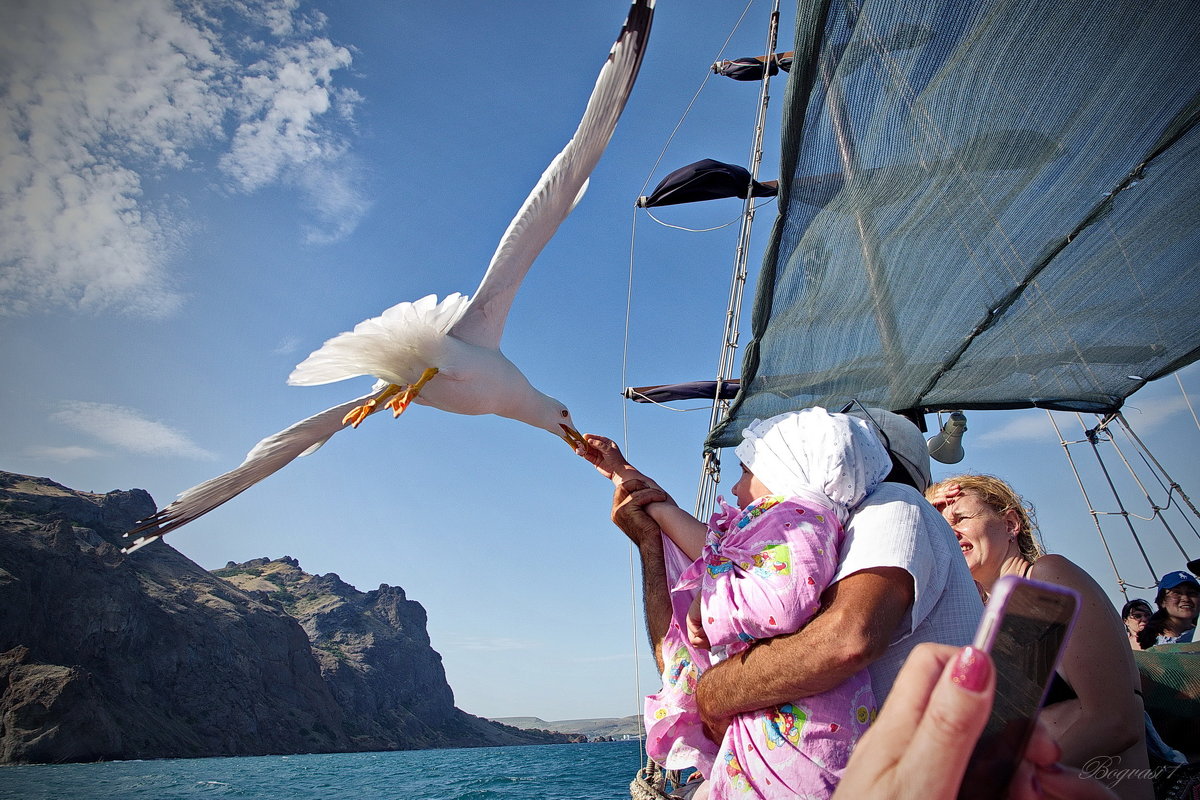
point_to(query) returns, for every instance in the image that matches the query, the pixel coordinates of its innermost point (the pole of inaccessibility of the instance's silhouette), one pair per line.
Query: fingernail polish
(971, 669)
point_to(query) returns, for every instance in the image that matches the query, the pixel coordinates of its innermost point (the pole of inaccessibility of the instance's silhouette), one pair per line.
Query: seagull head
(566, 429)
(551, 415)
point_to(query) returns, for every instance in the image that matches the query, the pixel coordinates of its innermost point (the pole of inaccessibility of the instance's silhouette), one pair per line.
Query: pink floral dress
(761, 575)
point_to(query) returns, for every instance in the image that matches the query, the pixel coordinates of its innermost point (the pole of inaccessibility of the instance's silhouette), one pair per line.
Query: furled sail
(753, 67)
(706, 180)
(692, 390)
(988, 204)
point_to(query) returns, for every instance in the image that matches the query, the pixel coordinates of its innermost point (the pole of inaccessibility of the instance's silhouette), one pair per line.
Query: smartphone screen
(1024, 627)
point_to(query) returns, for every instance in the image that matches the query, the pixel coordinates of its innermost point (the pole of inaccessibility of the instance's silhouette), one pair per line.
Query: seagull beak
(572, 437)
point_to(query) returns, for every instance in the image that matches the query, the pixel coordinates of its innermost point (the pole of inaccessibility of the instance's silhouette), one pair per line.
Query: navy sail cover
(706, 180)
(988, 204)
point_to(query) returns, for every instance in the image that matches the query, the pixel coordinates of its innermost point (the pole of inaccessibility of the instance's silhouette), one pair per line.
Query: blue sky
(191, 203)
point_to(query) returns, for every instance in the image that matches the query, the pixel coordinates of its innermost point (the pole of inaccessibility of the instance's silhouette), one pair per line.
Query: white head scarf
(833, 459)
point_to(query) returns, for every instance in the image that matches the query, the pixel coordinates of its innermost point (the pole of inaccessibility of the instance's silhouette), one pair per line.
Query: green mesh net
(986, 204)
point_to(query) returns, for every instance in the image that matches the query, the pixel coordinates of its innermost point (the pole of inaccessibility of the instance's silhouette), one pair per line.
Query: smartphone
(1025, 626)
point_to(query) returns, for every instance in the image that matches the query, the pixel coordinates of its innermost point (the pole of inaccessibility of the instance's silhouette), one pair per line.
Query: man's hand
(629, 510)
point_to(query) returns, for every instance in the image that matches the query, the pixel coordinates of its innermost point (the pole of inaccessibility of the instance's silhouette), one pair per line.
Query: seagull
(444, 354)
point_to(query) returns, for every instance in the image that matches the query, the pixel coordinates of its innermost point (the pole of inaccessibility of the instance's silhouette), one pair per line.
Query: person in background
(1178, 603)
(1135, 614)
(919, 746)
(1094, 707)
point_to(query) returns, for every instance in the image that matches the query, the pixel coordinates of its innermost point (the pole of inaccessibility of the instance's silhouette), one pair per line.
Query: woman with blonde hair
(1094, 708)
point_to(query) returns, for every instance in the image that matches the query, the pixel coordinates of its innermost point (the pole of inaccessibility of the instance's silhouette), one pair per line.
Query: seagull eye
(565, 413)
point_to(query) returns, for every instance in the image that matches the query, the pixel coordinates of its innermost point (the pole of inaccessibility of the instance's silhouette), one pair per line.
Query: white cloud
(1032, 426)
(287, 346)
(336, 201)
(129, 430)
(1145, 418)
(62, 454)
(279, 102)
(101, 98)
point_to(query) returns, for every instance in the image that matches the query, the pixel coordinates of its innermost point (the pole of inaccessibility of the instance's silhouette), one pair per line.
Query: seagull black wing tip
(154, 527)
(636, 27)
(641, 14)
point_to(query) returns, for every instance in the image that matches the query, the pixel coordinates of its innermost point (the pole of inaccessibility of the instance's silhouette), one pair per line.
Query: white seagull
(443, 354)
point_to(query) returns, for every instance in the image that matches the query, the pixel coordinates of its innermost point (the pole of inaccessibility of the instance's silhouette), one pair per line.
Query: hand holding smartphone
(1024, 627)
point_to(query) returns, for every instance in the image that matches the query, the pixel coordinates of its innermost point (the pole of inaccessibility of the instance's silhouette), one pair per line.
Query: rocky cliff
(107, 656)
(375, 656)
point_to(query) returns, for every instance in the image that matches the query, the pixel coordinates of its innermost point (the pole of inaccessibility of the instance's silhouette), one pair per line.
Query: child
(758, 571)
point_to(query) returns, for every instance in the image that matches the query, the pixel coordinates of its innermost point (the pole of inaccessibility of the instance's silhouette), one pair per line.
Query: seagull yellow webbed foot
(359, 413)
(400, 402)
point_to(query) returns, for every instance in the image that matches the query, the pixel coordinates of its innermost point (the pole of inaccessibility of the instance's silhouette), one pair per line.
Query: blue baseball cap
(1173, 579)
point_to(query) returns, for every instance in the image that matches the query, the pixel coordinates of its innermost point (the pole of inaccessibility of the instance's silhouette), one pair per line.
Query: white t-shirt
(896, 527)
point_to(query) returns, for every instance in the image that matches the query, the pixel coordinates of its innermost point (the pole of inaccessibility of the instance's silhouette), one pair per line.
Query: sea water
(598, 771)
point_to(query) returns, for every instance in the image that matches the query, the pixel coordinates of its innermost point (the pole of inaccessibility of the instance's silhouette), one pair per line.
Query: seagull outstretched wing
(560, 187)
(267, 457)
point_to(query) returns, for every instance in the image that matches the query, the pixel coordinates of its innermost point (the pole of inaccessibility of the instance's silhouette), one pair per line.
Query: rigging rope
(1091, 436)
(650, 781)
(1102, 433)
(647, 400)
(1178, 489)
(1156, 509)
(1187, 400)
(708, 74)
(1170, 490)
(1087, 499)
(634, 565)
(705, 230)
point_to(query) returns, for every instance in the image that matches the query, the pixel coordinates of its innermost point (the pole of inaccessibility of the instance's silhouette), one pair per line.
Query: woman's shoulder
(1096, 609)
(1052, 568)
(1052, 565)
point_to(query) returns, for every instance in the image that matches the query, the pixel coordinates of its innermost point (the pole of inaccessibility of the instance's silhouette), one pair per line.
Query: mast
(710, 474)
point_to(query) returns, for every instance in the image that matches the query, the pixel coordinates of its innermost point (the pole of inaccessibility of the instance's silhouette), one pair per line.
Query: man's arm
(629, 514)
(859, 614)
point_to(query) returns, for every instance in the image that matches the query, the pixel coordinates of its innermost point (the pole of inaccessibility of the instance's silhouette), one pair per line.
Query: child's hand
(605, 456)
(695, 626)
(597, 451)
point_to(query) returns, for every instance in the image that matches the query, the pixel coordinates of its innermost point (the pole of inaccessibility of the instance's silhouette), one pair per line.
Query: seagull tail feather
(370, 349)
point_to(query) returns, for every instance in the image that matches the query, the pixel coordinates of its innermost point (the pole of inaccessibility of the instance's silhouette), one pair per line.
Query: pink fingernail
(971, 669)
